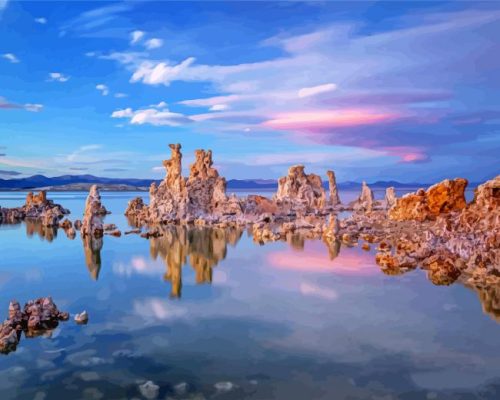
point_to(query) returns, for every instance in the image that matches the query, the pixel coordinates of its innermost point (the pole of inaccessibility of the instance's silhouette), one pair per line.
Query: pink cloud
(310, 120)
(408, 154)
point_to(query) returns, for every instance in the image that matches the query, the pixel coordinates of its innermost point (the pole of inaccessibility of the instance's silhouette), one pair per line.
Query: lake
(208, 314)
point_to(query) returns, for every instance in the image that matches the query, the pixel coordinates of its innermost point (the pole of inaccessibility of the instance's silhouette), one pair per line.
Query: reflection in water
(33, 226)
(489, 296)
(92, 249)
(203, 247)
(333, 248)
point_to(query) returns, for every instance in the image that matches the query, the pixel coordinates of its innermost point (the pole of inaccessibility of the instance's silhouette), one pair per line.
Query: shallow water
(210, 314)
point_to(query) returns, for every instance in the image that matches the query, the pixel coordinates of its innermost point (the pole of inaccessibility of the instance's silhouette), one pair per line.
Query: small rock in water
(149, 390)
(133, 231)
(109, 227)
(116, 233)
(82, 318)
(224, 386)
(181, 388)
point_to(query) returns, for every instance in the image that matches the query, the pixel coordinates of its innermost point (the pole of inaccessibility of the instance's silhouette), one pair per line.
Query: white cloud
(125, 113)
(5, 104)
(88, 22)
(219, 107)
(10, 57)
(161, 73)
(120, 95)
(3, 4)
(136, 36)
(58, 77)
(161, 104)
(153, 43)
(210, 101)
(41, 20)
(152, 116)
(315, 90)
(33, 107)
(103, 89)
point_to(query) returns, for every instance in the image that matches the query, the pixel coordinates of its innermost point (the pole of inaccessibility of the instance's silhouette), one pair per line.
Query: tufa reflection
(203, 248)
(92, 247)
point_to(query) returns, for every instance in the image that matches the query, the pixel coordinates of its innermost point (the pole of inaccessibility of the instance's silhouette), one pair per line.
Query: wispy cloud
(4, 172)
(5, 104)
(219, 107)
(92, 19)
(153, 43)
(315, 90)
(58, 77)
(74, 156)
(33, 107)
(328, 119)
(11, 58)
(136, 36)
(103, 89)
(41, 20)
(158, 115)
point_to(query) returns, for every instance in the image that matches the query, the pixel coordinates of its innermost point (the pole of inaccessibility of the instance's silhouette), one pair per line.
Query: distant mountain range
(83, 182)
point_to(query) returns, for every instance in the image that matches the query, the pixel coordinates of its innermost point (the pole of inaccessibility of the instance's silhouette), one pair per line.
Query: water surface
(210, 314)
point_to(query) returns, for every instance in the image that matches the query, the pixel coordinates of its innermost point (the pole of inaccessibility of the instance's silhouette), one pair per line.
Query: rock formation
(176, 199)
(301, 191)
(332, 185)
(473, 234)
(365, 201)
(37, 317)
(205, 188)
(390, 197)
(443, 197)
(432, 228)
(92, 218)
(36, 206)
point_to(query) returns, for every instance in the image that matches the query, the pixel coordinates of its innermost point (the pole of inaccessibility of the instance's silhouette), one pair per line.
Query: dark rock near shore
(36, 318)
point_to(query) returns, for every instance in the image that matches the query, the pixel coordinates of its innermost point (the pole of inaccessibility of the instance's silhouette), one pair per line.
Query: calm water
(210, 314)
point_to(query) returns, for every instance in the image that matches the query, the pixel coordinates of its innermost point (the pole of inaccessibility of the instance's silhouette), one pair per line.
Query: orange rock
(443, 197)
(263, 204)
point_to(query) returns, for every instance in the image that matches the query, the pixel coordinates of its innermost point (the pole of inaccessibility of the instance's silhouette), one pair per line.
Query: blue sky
(395, 90)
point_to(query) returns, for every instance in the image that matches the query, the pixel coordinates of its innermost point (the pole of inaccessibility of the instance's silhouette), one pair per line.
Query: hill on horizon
(73, 181)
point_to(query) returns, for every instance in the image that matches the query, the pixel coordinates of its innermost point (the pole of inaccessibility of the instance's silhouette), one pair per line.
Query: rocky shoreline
(435, 229)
